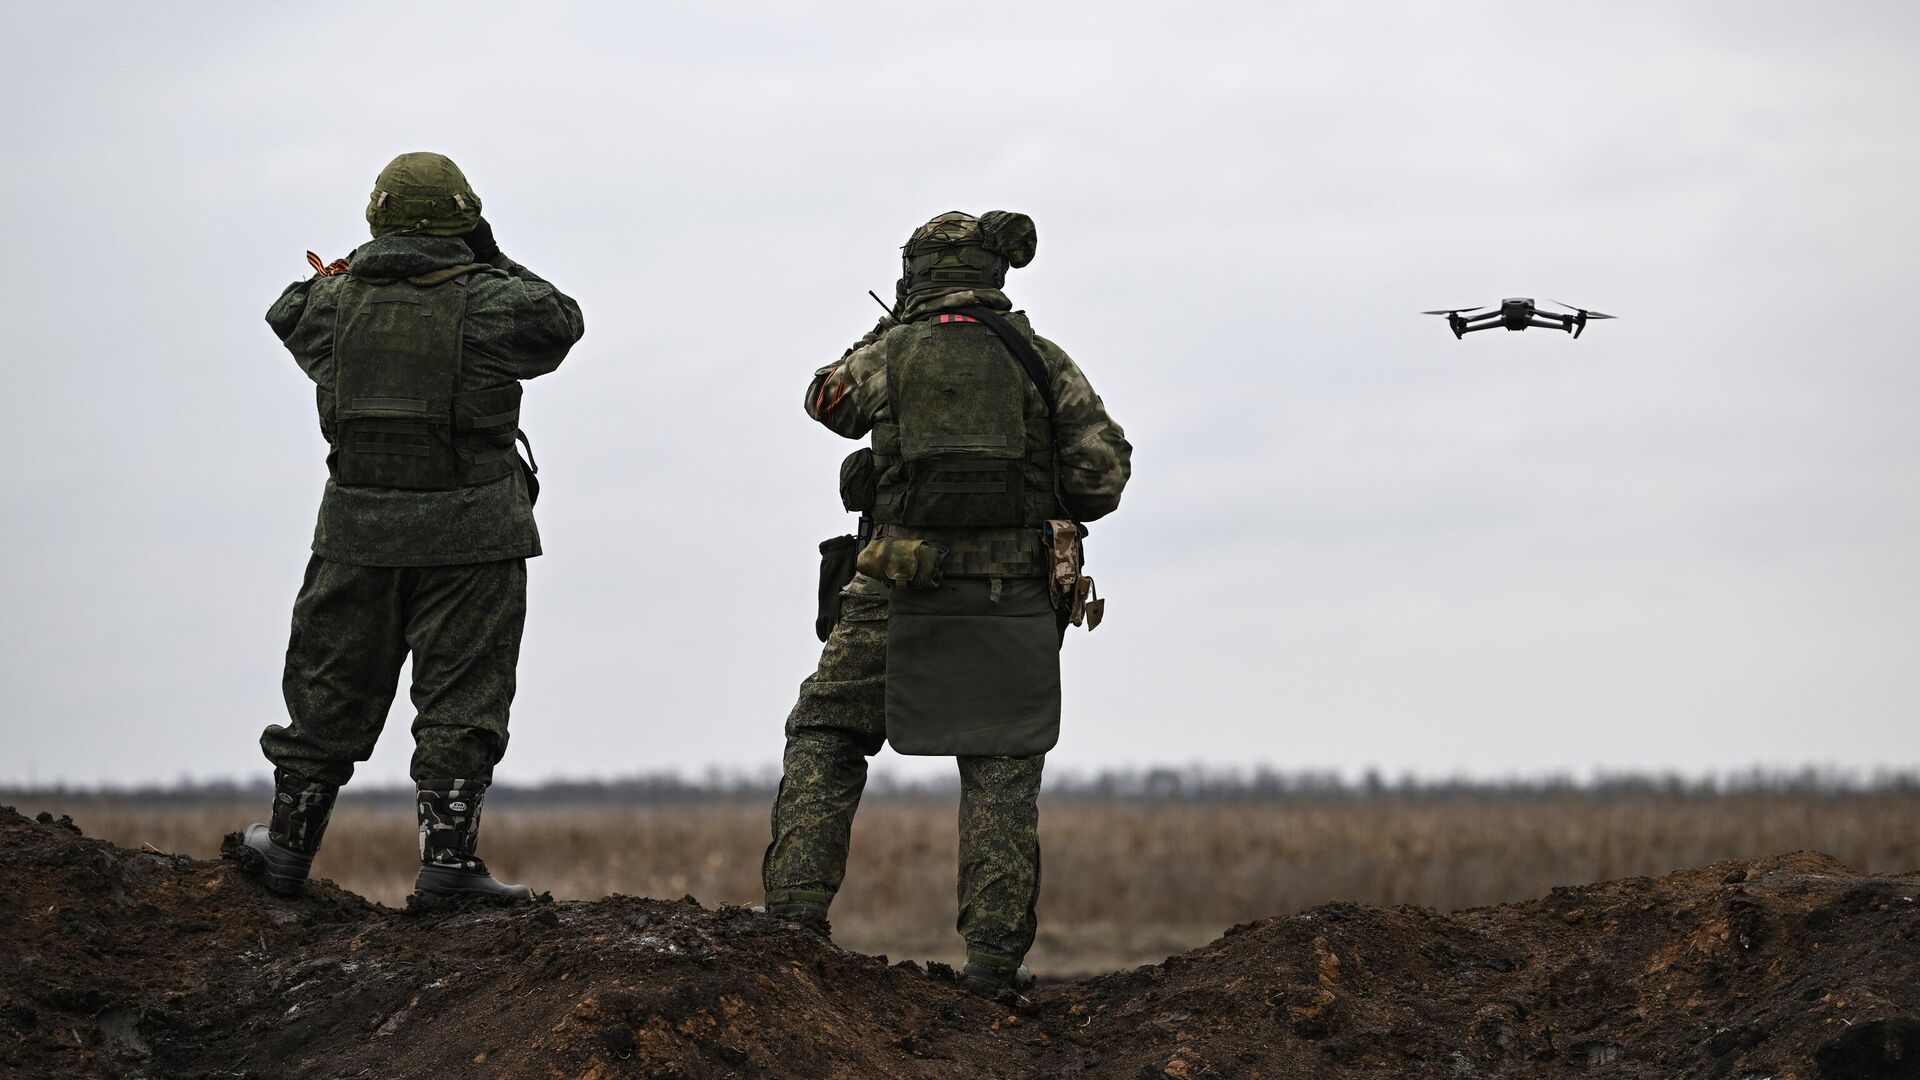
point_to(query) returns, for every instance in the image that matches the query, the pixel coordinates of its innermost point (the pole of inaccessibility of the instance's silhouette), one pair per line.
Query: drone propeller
(1452, 311)
(1584, 311)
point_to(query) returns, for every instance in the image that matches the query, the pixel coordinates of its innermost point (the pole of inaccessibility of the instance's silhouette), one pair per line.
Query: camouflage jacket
(1094, 458)
(517, 327)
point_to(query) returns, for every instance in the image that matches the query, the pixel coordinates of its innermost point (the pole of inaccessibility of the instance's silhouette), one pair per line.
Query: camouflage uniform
(417, 344)
(840, 720)
(438, 574)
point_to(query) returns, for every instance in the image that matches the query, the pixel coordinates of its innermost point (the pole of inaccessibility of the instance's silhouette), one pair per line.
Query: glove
(485, 248)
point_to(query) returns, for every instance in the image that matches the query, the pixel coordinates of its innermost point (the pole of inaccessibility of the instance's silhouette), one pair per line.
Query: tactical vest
(396, 416)
(960, 459)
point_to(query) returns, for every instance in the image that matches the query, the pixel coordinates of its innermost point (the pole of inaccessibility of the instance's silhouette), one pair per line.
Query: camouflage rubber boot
(286, 846)
(809, 914)
(449, 832)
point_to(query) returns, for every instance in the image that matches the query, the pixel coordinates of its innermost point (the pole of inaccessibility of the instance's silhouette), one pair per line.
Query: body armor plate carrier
(396, 416)
(973, 662)
(964, 439)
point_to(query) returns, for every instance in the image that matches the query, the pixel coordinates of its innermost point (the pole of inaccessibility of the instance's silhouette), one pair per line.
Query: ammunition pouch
(981, 553)
(859, 481)
(903, 560)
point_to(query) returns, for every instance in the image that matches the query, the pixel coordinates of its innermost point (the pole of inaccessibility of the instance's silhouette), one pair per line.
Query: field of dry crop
(1127, 881)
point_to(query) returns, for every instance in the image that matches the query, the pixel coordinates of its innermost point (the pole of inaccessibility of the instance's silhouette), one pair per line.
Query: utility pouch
(1071, 590)
(858, 481)
(903, 560)
(973, 669)
(1087, 605)
(837, 558)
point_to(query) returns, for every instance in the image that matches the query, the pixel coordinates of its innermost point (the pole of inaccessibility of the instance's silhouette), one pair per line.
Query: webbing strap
(498, 420)
(370, 442)
(961, 488)
(392, 404)
(968, 440)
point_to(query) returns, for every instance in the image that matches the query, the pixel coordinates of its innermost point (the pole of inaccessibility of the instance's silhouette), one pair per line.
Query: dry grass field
(1127, 880)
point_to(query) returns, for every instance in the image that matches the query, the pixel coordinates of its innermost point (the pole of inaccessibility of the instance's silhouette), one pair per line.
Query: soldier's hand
(482, 242)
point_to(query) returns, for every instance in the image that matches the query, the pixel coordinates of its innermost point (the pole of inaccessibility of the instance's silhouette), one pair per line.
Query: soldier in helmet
(418, 343)
(988, 450)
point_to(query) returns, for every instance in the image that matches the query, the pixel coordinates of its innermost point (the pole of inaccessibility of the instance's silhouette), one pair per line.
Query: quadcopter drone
(1517, 313)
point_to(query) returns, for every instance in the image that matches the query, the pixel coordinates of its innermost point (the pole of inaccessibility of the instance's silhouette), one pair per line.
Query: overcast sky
(1689, 540)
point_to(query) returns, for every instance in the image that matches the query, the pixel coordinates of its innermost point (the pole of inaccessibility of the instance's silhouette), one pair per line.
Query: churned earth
(144, 964)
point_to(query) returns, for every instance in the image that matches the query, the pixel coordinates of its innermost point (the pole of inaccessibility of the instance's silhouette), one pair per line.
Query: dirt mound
(125, 963)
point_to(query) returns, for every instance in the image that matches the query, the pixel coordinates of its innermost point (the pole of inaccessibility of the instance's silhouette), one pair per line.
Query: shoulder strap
(1020, 347)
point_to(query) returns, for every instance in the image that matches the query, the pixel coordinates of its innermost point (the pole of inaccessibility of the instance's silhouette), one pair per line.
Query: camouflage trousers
(353, 629)
(838, 723)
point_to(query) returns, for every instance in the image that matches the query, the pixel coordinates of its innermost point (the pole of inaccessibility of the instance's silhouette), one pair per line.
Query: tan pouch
(903, 560)
(1088, 607)
(1063, 562)
(1072, 591)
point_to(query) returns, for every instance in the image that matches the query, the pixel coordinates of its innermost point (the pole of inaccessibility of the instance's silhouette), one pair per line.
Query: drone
(1516, 313)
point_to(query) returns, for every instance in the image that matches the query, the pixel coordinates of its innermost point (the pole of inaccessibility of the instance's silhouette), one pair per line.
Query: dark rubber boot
(286, 847)
(449, 833)
(283, 869)
(989, 979)
(808, 914)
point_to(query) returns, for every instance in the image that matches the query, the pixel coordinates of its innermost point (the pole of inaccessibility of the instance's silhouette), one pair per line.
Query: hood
(406, 255)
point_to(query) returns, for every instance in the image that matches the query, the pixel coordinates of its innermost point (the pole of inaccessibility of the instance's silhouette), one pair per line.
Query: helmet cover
(958, 250)
(422, 193)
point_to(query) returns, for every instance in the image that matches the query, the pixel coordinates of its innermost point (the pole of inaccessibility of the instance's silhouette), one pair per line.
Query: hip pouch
(973, 669)
(836, 572)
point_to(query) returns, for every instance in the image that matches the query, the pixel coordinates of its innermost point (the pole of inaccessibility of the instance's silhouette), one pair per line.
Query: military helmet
(958, 250)
(423, 193)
